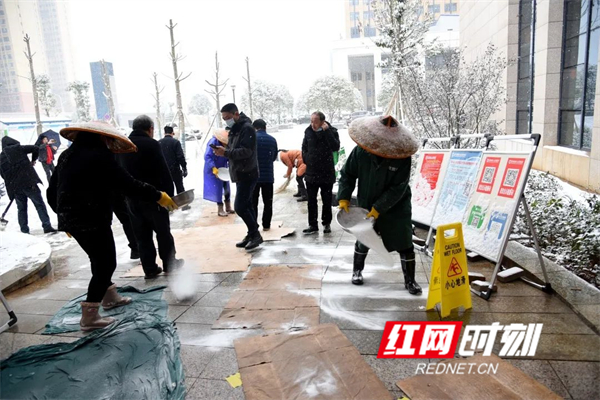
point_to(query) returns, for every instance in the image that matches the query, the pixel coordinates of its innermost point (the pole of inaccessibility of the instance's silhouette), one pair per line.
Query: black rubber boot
(408, 267)
(359, 265)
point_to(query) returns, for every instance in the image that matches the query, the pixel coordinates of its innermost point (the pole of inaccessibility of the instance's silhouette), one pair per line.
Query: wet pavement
(567, 360)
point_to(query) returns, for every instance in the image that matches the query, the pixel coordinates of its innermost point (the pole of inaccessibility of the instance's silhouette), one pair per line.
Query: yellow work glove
(373, 213)
(344, 204)
(167, 202)
(215, 171)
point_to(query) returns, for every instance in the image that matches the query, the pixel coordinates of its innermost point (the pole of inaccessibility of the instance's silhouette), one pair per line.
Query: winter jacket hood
(8, 141)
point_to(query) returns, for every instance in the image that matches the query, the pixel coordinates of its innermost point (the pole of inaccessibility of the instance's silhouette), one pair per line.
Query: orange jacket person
(293, 159)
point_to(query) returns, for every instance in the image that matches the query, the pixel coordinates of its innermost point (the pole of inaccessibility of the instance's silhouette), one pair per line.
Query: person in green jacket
(381, 164)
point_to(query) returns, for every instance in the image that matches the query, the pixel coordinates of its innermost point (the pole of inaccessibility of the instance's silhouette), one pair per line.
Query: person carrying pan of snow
(381, 164)
(81, 192)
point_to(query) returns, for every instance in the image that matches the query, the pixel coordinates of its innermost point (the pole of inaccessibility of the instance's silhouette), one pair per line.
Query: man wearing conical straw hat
(381, 164)
(81, 190)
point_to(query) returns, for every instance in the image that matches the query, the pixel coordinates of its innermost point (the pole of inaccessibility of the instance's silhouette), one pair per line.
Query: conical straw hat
(119, 143)
(383, 136)
(222, 135)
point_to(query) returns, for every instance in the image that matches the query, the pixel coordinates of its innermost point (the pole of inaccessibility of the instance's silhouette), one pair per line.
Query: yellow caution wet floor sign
(449, 283)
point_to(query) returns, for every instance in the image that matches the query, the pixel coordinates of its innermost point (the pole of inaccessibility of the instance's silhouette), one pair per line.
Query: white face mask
(230, 122)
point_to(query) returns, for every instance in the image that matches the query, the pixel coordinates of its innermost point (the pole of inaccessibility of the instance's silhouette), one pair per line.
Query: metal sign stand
(455, 144)
(546, 287)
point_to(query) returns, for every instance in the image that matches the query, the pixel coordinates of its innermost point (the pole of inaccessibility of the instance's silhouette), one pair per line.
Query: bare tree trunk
(38, 121)
(108, 94)
(216, 88)
(247, 79)
(157, 92)
(177, 76)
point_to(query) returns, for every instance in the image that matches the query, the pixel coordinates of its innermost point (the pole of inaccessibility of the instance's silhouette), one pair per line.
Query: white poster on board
(457, 187)
(494, 201)
(429, 175)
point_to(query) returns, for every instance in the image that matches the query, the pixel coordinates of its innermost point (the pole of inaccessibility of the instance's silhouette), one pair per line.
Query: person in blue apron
(381, 165)
(216, 190)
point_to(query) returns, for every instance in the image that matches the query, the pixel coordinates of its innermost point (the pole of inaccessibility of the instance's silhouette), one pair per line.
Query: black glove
(184, 172)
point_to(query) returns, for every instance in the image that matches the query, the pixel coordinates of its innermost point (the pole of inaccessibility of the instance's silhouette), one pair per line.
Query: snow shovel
(284, 185)
(11, 314)
(4, 222)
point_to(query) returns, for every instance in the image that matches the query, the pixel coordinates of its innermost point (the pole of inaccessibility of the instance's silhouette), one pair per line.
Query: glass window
(578, 79)
(433, 8)
(354, 32)
(450, 7)
(366, 15)
(353, 16)
(353, 2)
(370, 31)
(525, 66)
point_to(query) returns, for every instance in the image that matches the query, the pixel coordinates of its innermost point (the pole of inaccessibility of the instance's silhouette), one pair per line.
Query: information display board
(457, 187)
(429, 174)
(493, 203)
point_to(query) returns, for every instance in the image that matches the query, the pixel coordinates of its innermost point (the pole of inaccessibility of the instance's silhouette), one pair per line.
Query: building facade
(47, 24)
(102, 112)
(357, 57)
(551, 85)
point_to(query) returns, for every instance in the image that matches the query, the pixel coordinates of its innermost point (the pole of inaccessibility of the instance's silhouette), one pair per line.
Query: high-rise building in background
(102, 112)
(356, 56)
(47, 24)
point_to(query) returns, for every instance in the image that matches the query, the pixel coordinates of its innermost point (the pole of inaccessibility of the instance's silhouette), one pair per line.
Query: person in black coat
(174, 157)
(81, 192)
(320, 141)
(243, 169)
(21, 181)
(148, 165)
(46, 154)
(266, 151)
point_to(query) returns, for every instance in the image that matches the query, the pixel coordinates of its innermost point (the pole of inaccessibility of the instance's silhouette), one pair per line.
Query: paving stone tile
(223, 364)
(215, 298)
(174, 312)
(28, 323)
(195, 359)
(10, 342)
(210, 389)
(569, 347)
(541, 371)
(172, 299)
(580, 378)
(391, 370)
(542, 304)
(367, 342)
(203, 335)
(372, 320)
(200, 315)
(37, 307)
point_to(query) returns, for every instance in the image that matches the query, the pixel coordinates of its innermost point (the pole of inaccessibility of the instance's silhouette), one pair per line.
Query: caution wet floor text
(449, 283)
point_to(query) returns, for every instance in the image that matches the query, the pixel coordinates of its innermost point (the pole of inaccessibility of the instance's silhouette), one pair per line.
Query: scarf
(50, 155)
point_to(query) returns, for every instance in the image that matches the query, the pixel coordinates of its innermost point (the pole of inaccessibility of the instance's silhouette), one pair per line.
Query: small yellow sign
(234, 380)
(449, 283)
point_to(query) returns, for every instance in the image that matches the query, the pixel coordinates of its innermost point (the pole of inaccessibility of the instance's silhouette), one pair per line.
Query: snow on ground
(21, 251)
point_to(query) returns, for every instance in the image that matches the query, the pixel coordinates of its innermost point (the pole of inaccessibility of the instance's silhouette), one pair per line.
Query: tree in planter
(269, 100)
(402, 33)
(331, 95)
(45, 96)
(453, 96)
(82, 100)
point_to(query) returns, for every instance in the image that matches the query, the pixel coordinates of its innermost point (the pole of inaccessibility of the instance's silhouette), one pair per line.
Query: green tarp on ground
(135, 358)
(145, 302)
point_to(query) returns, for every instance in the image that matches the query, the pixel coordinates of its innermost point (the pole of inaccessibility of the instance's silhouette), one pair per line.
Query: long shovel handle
(7, 207)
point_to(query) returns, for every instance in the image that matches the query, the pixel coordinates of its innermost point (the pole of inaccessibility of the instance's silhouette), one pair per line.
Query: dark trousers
(362, 249)
(99, 245)
(122, 212)
(301, 187)
(243, 205)
(267, 196)
(326, 196)
(149, 218)
(226, 191)
(49, 170)
(32, 193)
(178, 180)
